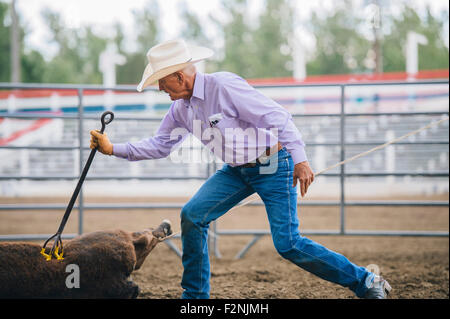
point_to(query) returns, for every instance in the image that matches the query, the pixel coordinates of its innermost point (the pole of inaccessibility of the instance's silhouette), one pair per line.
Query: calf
(104, 259)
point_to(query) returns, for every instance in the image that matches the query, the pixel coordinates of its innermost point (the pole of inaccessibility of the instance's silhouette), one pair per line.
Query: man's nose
(161, 87)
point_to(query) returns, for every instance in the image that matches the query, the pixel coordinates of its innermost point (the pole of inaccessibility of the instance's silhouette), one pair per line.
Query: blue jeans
(227, 187)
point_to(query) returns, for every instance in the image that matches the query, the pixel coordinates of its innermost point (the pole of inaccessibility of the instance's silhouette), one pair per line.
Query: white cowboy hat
(169, 57)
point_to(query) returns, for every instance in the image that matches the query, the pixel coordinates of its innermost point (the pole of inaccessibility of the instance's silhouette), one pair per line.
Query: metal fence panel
(341, 118)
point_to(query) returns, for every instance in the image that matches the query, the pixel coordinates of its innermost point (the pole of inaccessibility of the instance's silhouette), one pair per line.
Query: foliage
(251, 44)
(78, 50)
(434, 55)
(340, 48)
(257, 51)
(5, 58)
(148, 34)
(271, 41)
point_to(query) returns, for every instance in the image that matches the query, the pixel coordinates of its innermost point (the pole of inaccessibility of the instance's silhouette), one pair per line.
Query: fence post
(342, 172)
(80, 145)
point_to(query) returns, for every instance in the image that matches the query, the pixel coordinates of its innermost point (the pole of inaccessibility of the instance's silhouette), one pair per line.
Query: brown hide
(105, 260)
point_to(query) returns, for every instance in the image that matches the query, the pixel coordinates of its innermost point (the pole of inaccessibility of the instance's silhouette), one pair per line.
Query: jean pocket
(283, 154)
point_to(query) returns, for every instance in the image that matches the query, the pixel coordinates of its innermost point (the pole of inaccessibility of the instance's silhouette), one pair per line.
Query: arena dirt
(416, 267)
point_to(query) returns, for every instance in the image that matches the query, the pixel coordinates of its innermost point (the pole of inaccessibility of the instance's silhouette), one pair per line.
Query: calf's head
(146, 240)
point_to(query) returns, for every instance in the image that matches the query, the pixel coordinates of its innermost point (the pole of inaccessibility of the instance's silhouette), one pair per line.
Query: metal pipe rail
(377, 83)
(132, 88)
(40, 115)
(43, 237)
(68, 148)
(257, 234)
(99, 178)
(121, 206)
(58, 86)
(144, 178)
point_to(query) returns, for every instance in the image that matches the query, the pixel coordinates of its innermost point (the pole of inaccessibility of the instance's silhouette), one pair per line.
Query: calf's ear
(143, 245)
(140, 240)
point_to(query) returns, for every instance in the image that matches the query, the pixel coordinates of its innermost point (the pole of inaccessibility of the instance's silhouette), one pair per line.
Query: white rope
(210, 233)
(255, 196)
(170, 236)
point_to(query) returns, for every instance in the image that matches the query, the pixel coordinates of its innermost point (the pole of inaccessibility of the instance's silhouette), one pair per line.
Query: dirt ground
(416, 267)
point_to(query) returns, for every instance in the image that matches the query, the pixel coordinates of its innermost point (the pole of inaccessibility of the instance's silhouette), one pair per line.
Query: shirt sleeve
(240, 100)
(168, 135)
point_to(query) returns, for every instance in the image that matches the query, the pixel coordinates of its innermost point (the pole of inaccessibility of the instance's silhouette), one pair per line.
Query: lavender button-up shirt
(231, 118)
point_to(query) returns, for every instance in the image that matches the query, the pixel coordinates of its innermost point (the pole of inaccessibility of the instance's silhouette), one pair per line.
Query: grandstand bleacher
(315, 129)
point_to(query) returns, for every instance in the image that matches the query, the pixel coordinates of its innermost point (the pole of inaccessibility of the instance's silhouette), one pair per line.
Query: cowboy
(269, 160)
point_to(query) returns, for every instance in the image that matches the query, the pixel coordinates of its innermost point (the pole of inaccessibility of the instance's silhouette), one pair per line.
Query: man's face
(174, 85)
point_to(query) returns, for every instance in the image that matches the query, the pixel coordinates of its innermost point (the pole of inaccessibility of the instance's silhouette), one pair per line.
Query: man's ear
(180, 76)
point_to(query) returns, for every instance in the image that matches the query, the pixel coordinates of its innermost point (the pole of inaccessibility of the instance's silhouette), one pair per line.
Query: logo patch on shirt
(214, 119)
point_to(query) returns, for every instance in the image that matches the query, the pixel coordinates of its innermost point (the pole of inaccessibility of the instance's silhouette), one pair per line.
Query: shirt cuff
(120, 150)
(298, 155)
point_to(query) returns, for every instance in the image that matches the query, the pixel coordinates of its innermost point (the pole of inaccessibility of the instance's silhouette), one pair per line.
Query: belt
(263, 158)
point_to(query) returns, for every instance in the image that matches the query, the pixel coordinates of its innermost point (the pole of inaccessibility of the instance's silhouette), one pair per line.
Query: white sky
(103, 13)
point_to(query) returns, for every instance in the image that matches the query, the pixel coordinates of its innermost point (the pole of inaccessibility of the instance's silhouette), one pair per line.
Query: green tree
(192, 29)
(434, 55)
(33, 67)
(343, 47)
(193, 32)
(261, 49)
(32, 62)
(91, 46)
(271, 41)
(238, 39)
(5, 59)
(340, 48)
(147, 26)
(78, 53)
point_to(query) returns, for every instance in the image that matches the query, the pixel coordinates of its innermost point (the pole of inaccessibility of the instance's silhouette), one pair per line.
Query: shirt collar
(198, 90)
(199, 86)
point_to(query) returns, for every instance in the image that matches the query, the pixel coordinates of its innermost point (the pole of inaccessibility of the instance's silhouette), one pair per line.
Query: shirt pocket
(226, 125)
(215, 119)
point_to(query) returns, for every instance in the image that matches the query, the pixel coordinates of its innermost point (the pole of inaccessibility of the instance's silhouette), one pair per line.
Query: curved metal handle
(105, 121)
(57, 248)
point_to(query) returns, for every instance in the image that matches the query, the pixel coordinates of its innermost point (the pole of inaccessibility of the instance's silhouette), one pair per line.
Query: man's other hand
(303, 172)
